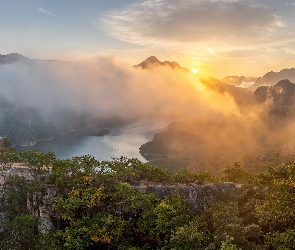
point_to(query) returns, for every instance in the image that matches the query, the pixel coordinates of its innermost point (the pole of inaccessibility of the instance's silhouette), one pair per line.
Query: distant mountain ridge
(13, 58)
(239, 81)
(240, 95)
(272, 78)
(280, 98)
(153, 61)
(200, 143)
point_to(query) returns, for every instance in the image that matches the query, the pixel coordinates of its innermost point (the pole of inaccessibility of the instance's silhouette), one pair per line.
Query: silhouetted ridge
(13, 58)
(271, 78)
(238, 80)
(280, 97)
(154, 61)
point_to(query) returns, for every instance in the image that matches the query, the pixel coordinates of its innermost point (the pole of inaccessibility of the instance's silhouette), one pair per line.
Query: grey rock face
(37, 204)
(196, 196)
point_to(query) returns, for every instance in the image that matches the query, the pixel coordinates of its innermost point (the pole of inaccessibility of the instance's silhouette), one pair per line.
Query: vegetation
(99, 205)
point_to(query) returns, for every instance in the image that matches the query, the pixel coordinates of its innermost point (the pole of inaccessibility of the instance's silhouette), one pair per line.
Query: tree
(21, 228)
(281, 241)
(159, 223)
(276, 211)
(227, 244)
(38, 162)
(190, 236)
(8, 155)
(223, 219)
(235, 173)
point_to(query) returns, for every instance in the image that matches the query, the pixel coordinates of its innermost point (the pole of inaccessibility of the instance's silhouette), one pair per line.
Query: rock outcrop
(196, 196)
(280, 98)
(37, 204)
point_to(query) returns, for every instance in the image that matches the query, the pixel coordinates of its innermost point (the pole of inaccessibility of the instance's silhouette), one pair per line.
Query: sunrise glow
(195, 71)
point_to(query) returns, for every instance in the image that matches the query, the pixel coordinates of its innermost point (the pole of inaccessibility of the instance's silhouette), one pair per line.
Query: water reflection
(124, 141)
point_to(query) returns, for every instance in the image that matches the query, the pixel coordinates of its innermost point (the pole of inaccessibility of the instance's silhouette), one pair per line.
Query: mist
(106, 90)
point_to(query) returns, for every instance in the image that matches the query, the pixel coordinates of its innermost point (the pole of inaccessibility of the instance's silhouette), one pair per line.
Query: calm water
(124, 141)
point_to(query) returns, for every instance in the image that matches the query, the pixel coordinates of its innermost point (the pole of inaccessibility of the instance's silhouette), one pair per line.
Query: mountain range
(25, 125)
(241, 95)
(266, 126)
(272, 78)
(269, 79)
(240, 81)
(251, 82)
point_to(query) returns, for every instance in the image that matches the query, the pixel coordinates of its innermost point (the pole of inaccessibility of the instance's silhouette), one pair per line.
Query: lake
(124, 141)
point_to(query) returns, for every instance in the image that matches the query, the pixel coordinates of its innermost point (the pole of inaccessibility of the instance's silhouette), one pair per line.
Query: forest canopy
(99, 205)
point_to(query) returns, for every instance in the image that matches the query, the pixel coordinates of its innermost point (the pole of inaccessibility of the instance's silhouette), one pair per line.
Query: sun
(195, 71)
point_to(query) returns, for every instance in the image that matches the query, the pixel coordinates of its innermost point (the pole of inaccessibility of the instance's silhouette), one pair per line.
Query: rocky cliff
(280, 98)
(37, 203)
(196, 196)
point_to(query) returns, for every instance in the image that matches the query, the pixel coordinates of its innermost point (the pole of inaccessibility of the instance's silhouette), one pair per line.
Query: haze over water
(124, 141)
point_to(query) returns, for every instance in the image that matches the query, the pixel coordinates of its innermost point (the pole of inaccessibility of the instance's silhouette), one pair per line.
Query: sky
(218, 37)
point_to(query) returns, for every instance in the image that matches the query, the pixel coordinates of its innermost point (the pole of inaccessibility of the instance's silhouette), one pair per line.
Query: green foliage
(7, 155)
(21, 227)
(185, 176)
(205, 176)
(80, 200)
(161, 221)
(227, 244)
(25, 225)
(224, 218)
(129, 199)
(127, 169)
(7, 143)
(189, 237)
(235, 173)
(281, 241)
(100, 205)
(276, 211)
(259, 164)
(21, 233)
(97, 208)
(38, 162)
(14, 197)
(35, 185)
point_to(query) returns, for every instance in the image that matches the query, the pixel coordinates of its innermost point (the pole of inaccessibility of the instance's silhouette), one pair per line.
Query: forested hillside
(106, 205)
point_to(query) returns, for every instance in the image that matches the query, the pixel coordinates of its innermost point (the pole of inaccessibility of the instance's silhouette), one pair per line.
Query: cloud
(186, 23)
(107, 89)
(45, 12)
(103, 89)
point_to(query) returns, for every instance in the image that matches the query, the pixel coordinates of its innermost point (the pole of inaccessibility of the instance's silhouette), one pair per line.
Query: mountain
(241, 96)
(240, 81)
(199, 143)
(25, 122)
(271, 78)
(13, 58)
(280, 98)
(154, 62)
(22, 125)
(205, 143)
